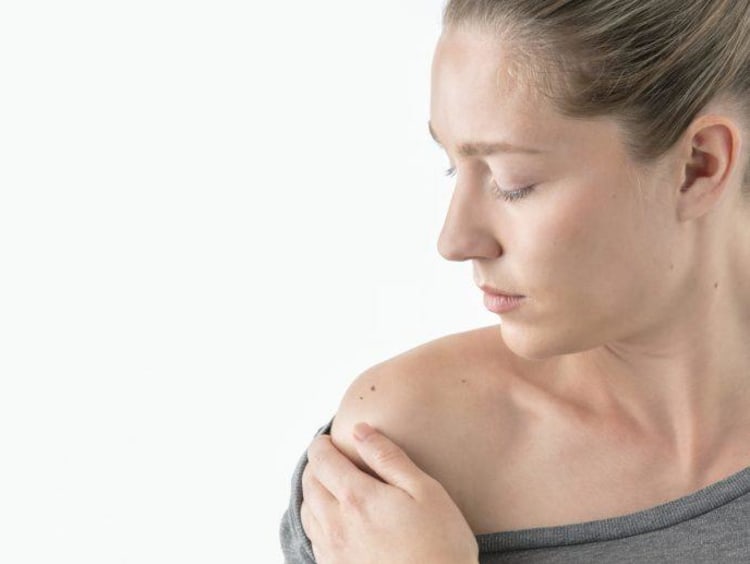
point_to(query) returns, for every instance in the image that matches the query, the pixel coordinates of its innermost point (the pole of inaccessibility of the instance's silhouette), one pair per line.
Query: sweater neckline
(660, 516)
(664, 515)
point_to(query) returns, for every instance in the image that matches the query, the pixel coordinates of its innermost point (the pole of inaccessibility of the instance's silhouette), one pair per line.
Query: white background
(213, 217)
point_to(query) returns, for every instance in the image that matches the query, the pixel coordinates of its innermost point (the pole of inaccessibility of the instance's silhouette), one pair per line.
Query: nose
(466, 233)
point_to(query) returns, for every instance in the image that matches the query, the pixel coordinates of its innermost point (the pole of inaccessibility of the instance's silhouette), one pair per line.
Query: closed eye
(513, 195)
(507, 195)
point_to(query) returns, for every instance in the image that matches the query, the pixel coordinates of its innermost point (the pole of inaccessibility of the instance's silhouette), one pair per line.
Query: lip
(495, 292)
(499, 303)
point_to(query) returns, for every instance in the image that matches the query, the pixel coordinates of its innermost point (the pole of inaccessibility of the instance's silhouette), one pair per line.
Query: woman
(601, 169)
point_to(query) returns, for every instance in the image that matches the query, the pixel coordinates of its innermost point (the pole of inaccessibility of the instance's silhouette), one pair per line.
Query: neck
(686, 380)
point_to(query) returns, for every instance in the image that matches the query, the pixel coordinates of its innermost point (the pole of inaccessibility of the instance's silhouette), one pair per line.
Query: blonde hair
(651, 64)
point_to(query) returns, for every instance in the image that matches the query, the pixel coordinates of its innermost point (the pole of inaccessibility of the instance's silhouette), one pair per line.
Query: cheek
(579, 247)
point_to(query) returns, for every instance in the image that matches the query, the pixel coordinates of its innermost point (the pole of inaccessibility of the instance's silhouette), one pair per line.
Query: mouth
(497, 292)
(499, 303)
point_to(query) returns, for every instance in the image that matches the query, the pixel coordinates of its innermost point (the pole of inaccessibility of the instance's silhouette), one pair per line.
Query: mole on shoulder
(372, 388)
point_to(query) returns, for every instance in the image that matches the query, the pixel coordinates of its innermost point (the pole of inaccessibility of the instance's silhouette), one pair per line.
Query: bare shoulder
(442, 402)
(483, 423)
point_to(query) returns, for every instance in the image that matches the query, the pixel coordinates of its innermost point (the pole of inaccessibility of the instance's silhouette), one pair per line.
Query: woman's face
(593, 260)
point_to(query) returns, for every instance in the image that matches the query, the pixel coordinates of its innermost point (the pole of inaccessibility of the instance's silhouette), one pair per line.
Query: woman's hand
(352, 517)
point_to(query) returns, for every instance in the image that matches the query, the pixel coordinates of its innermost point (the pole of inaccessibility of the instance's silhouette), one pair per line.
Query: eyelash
(507, 196)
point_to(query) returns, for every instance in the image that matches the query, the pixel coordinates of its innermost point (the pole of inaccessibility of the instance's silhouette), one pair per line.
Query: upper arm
(449, 405)
(395, 398)
(358, 404)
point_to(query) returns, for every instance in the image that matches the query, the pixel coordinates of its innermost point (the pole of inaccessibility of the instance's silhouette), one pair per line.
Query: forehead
(481, 90)
(481, 57)
(476, 82)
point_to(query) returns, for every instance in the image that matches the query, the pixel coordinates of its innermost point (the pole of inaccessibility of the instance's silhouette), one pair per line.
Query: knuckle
(386, 455)
(336, 537)
(352, 500)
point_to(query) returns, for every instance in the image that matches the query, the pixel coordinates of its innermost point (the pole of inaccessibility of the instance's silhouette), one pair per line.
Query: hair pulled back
(651, 64)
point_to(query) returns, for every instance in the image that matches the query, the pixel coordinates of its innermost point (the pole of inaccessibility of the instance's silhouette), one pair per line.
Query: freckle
(372, 388)
(463, 380)
(360, 397)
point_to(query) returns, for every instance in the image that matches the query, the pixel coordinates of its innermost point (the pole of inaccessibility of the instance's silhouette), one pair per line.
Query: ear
(708, 162)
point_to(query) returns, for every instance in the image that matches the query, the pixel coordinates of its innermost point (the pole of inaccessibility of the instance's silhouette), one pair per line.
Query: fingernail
(362, 431)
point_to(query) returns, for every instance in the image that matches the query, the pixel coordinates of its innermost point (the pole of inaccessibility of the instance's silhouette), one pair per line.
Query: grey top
(709, 525)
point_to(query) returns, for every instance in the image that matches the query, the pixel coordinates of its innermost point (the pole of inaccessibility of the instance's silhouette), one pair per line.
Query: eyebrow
(486, 149)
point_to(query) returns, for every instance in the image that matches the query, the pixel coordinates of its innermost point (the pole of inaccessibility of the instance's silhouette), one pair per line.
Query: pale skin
(637, 313)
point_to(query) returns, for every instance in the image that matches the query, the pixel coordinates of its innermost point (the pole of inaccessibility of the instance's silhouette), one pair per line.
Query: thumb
(386, 458)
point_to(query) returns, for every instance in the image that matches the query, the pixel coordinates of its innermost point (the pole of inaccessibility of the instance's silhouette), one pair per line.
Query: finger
(321, 503)
(317, 557)
(319, 512)
(335, 472)
(310, 523)
(312, 529)
(388, 459)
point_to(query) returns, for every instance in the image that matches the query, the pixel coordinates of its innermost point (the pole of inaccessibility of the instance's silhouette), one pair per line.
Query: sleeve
(295, 545)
